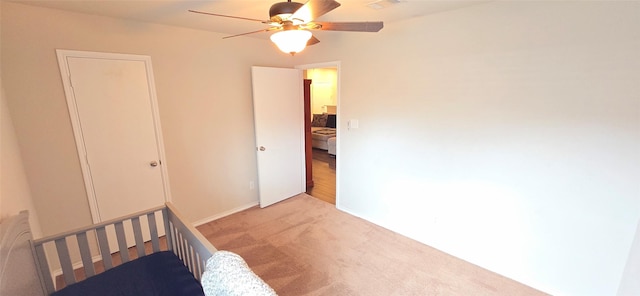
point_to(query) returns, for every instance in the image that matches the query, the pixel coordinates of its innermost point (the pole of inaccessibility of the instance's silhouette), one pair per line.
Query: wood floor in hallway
(324, 177)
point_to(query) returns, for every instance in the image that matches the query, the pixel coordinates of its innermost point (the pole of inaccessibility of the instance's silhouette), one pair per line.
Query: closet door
(112, 104)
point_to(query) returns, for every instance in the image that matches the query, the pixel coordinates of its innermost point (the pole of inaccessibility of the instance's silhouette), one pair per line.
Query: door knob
(262, 148)
(153, 163)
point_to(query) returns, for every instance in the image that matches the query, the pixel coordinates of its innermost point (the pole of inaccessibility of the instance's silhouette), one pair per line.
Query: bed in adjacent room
(323, 128)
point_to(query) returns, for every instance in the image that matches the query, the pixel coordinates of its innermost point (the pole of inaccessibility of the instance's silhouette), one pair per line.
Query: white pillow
(227, 274)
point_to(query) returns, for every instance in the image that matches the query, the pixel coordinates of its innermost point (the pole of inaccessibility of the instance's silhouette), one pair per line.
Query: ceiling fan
(293, 21)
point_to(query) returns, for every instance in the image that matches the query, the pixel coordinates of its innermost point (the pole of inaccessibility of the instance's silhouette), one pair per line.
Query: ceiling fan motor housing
(283, 8)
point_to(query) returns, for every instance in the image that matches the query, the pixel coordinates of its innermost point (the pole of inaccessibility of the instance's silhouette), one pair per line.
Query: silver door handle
(262, 148)
(153, 163)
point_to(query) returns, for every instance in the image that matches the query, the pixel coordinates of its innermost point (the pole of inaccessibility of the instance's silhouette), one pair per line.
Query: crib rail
(188, 243)
(181, 238)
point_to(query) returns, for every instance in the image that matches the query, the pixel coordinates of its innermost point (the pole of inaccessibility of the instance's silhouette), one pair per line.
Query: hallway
(324, 177)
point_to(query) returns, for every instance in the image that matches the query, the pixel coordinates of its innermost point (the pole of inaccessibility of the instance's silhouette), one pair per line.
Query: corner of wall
(629, 285)
(15, 194)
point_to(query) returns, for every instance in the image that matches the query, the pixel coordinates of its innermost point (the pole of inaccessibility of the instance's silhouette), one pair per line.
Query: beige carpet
(304, 246)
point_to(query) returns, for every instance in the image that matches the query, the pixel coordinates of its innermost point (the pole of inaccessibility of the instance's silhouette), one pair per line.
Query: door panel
(111, 99)
(278, 115)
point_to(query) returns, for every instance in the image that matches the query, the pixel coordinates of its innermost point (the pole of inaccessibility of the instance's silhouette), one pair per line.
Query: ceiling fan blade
(230, 16)
(247, 33)
(351, 26)
(313, 9)
(313, 41)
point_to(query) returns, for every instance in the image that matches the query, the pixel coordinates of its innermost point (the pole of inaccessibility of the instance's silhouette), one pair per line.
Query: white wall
(14, 189)
(506, 133)
(204, 96)
(324, 89)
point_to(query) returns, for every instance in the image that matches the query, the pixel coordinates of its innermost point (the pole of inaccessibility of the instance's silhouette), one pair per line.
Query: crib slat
(85, 254)
(137, 233)
(187, 258)
(122, 242)
(103, 242)
(200, 267)
(196, 265)
(167, 229)
(153, 229)
(44, 269)
(65, 261)
(176, 239)
(179, 245)
(183, 251)
(191, 258)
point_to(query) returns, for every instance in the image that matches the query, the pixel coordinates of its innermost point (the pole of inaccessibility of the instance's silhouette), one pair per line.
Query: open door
(279, 125)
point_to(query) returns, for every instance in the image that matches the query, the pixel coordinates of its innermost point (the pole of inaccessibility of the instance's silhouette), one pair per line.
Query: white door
(279, 123)
(111, 99)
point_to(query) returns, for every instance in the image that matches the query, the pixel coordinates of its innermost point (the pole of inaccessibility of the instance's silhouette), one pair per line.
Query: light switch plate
(353, 123)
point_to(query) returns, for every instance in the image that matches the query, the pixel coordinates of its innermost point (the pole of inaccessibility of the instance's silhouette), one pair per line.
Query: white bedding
(227, 274)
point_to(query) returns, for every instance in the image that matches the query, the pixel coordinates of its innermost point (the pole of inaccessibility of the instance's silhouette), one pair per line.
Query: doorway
(324, 103)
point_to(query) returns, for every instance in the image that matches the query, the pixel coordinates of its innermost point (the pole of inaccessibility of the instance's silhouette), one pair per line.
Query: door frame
(332, 64)
(74, 115)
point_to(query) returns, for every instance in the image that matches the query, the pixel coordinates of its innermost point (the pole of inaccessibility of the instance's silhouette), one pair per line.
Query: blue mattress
(158, 274)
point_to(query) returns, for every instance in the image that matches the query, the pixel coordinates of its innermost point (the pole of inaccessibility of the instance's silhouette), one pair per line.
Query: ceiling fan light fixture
(291, 41)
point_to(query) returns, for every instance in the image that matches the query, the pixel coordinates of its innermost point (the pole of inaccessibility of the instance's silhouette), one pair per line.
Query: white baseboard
(225, 213)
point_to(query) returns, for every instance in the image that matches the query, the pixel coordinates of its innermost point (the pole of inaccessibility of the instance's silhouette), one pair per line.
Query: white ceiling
(174, 12)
